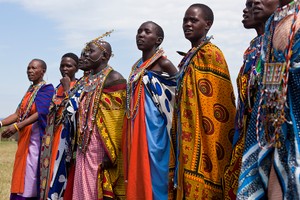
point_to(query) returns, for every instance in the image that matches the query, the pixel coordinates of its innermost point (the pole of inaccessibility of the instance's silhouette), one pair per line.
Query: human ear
(159, 41)
(208, 25)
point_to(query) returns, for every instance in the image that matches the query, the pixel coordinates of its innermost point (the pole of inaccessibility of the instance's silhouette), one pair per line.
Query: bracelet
(16, 127)
(1, 124)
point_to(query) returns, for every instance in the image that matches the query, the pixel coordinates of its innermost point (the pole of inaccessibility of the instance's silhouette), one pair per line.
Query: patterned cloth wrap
(256, 161)
(54, 158)
(146, 139)
(91, 180)
(25, 178)
(203, 123)
(246, 96)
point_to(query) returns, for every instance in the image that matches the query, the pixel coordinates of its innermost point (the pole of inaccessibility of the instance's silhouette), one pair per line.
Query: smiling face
(35, 72)
(147, 37)
(263, 9)
(68, 67)
(195, 26)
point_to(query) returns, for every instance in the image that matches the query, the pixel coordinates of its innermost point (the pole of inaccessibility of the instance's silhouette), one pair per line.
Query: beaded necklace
(135, 81)
(89, 106)
(271, 114)
(248, 78)
(34, 90)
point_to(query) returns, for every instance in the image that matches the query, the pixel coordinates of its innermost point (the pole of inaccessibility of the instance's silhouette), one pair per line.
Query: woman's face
(92, 55)
(248, 19)
(68, 67)
(263, 9)
(146, 37)
(35, 71)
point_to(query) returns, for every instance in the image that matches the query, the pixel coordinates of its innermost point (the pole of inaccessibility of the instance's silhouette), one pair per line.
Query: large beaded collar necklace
(22, 114)
(272, 103)
(135, 83)
(90, 100)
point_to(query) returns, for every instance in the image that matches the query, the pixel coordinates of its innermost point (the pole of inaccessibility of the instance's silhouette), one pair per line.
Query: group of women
(167, 134)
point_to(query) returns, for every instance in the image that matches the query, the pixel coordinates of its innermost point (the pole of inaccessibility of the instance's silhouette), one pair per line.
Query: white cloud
(79, 21)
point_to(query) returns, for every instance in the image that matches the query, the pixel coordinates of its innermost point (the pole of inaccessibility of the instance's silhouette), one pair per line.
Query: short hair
(208, 13)
(71, 55)
(43, 64)
(107, 47)
(159, 30)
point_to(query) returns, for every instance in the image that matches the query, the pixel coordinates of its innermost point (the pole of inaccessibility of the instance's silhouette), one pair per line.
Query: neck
(260, 30)
(148, 54)
(98, 69)
(198, 42)
(37, 82)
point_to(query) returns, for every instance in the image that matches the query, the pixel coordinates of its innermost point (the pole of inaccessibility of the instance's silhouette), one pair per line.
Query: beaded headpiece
(97, 41)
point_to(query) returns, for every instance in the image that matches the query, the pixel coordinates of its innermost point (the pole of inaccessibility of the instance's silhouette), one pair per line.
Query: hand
(65, 82)
(8, 131)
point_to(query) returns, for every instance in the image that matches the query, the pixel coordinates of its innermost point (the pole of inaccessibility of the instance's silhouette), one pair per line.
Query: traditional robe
(53, 156)
(203, 123)
(247, 88)
(271, 159)
(146, 135)
(101, 112)
(25, 178)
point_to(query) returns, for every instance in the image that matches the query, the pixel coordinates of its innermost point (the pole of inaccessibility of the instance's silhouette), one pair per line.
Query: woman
(150, 99)
(247, 89)
(100, 113)
(55, 157)
(29, 121)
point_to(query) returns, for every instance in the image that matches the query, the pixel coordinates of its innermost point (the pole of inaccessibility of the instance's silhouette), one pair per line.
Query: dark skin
(195, 26)
(82, 64)
(68, 68)
(148, 41)
(35, 73)
(284, 2)
(249, 21)
(262, 10)
(95, 59)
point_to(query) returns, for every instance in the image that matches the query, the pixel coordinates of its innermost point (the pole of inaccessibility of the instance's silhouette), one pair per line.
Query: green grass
(7, 157)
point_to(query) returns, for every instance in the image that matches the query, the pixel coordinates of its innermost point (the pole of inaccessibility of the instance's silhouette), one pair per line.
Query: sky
(48, 29)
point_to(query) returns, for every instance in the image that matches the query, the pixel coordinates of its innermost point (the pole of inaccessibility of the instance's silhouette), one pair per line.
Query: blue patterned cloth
(257, 161)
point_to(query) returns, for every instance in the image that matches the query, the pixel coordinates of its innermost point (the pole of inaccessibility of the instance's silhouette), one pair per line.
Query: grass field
(7, 156)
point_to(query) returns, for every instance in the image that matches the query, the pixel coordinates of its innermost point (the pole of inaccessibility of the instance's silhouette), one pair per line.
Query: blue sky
(47, 29)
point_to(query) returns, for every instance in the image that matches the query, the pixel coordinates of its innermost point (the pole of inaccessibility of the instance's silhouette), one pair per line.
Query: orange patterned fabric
(17, 185)
(205, 125)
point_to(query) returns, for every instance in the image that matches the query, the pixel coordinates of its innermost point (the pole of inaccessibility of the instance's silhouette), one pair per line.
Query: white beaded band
(1, 124)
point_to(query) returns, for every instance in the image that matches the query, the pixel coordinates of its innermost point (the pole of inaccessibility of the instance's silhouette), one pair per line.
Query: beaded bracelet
(1, 124)
(16, 127)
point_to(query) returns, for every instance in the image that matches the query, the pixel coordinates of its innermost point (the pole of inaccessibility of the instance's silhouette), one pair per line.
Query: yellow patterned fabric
(204, 123)
(109, 122)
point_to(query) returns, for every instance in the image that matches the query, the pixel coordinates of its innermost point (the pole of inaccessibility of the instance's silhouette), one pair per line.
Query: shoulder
(47, 87)
(164, 62)
(114, 78)
(46, 91)
(209, 51)
(166, 65)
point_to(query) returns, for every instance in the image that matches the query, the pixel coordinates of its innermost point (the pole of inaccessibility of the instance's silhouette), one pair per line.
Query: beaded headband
(97, 41)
